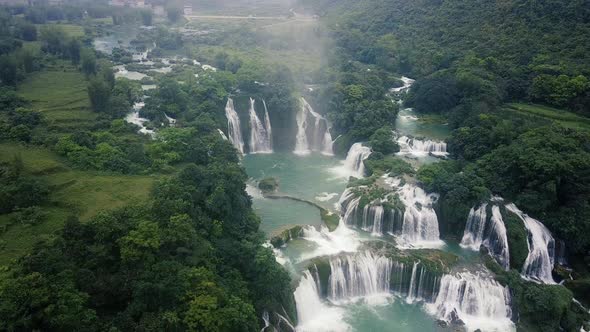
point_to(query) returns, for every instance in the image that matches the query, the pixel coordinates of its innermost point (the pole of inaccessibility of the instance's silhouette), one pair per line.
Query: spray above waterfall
(313, 132)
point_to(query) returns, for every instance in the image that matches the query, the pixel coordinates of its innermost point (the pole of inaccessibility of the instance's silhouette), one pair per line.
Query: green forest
(110, 224)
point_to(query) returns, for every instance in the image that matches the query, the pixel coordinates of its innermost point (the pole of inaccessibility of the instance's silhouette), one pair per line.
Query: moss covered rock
(517, 239)
(330, 219)
(287, 235)
(268, 185)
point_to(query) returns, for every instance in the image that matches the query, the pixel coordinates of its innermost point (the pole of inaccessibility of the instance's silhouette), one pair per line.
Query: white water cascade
(489, 232)
(417, 147)
(373, 217)
(354, 164)
(313, 314)
(407, 83)
(134, 118)
(234, 129)
(260, 134)
(480, 302)
(313, 132)
(413, 282)
(539, 262)
(420, 224)
(363, 275)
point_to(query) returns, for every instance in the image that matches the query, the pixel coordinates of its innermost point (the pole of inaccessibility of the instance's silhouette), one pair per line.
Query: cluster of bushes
(21, 194)
(189, 259)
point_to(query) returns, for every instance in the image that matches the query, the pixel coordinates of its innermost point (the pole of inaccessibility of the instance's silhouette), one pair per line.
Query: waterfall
(476, 223)
(489, 232)
(222, 134)
(267, 123)
(266, 320)
(313, 314)
(171, 121)
(373, 217)
(360, 275)
(234, 129)
(539, 262)
(326, 243)
(497, 239)
(420, 223)
(481, 303)
(260, 136)
(313, 132)
(407, 83)
(134, 118)
(416, 147)
(354, 164)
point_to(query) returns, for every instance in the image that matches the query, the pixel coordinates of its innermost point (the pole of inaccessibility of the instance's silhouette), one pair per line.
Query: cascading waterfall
(420, 223)
(539, 262)
(413, 282)
(267, 123)
(354, 164)
(313, 314)
(373, 217)
(234, 129)
(260, 134)
(489, 232)
(480, 302)
(134, 118)
(360, 275)
(313, 132)
(475, 227)
(416, 147)
(407, 83)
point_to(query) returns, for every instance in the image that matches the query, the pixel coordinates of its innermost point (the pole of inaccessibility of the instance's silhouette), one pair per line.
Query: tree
(28, 31)
(99, 93)
(53, 39)
(74, 49)
(88, 61)
(8, 70)
(382, 141)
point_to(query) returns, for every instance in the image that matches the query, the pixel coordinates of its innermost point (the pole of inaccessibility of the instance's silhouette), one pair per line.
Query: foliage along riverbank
(184, 253)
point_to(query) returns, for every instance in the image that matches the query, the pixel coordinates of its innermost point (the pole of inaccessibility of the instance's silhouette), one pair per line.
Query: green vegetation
(517, 239)
(268, 185)
(71, 193)
(330, 219)
(285, 236)
(563, 117)
(379, 164)
(540, 307)
(475, 58)
(105, 229)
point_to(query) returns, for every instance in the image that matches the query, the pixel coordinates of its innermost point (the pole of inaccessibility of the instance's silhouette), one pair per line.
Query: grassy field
(70, 29)
(73, 193)
(65, 105)
(565, 118)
